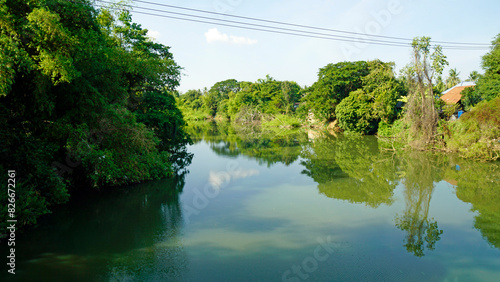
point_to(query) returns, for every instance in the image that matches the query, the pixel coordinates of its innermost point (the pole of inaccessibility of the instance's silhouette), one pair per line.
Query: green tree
(470, 97)
(192, 98)
(355, 113)
(72, 80)
(488, 85)
(440, 86)
(335, 82)
(453, 78)
(474, 76)
(291, 92)
(376, 101)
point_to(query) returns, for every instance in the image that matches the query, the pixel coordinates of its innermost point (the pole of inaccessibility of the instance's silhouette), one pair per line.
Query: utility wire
(259, 29)
(274, 29)
(304, 26)
(266, 26)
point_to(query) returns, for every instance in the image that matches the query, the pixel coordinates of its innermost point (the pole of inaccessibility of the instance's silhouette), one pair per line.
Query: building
(453, 95)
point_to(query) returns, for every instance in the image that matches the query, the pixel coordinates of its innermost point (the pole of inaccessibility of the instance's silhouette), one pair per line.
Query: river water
(280, 206)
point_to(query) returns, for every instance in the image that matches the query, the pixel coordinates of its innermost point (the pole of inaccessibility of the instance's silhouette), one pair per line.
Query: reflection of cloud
(214, 35)
(216, 179)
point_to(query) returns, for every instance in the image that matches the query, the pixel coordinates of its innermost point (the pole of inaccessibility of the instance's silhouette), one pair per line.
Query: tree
(421, 112)
(440, 85)
(291, 94)
(470, 97)
(335, 82)
(355, 113)
(383, 89)
(71, 82)
(488, 85)
(453, 78)
(223, 88)
(376, 101)
(192, 98)
(473, 76)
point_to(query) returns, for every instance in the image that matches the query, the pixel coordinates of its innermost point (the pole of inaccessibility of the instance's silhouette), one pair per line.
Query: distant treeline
(367, 97)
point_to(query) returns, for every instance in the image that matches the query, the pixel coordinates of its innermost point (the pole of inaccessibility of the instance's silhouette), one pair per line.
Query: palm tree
(453, 78)
(473, 76)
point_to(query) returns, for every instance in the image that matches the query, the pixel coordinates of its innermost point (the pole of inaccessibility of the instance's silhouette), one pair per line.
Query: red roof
(453, 96)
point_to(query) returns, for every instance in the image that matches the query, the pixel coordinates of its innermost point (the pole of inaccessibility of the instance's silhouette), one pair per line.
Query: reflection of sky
(218, 178)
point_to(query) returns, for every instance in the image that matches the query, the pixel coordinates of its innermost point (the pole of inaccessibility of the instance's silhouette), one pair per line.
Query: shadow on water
(126, 234)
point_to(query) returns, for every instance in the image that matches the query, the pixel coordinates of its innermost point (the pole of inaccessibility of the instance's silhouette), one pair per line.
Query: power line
(266, 26)
(273, 29)
(304, 26)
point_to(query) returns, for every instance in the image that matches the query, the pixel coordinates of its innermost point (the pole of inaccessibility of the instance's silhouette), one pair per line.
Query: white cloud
(242, 40)
(214, 35)
(153, 34)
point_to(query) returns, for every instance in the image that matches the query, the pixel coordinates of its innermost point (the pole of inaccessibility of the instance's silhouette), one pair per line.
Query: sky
(209, 53)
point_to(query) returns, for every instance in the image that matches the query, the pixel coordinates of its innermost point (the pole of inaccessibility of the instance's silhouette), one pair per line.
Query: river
(276, 205)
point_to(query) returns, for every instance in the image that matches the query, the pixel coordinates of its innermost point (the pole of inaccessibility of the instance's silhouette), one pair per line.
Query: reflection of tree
(351, 168)
(120, 234)
(161, 257)
(267, 147)
(478, 184)
(419, 184)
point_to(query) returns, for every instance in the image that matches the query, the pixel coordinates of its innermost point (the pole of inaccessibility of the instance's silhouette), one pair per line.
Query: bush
(485, 113)
(282, 121)
(470, 97)
(475, 135)
(355, 113)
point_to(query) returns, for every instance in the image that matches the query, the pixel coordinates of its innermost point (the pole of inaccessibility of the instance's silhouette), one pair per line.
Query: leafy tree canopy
(489, 84)
(335, 82)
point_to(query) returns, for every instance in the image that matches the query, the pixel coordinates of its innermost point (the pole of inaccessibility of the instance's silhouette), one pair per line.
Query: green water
(275, 206)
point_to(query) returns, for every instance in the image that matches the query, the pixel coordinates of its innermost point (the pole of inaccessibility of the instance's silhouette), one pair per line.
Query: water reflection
(377, 206)
(421, 173)
(356, 169)
(479, 184)
(351, 169)
(126, 234)
(266, 146)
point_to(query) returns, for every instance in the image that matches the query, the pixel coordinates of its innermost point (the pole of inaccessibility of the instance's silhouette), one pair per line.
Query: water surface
(278, 206)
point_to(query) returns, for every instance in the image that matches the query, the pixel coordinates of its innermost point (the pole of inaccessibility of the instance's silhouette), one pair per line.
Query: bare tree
(421, 113)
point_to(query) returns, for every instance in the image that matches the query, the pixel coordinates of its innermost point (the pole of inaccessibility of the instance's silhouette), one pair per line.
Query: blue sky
(210, 53)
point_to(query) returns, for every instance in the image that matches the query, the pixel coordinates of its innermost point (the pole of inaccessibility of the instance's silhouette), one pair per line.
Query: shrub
(355, 113)
(283, 121)
(475, 135)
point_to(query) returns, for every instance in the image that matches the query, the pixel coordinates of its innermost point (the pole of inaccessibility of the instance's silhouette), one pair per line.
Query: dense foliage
(489, 84)
(85, 99)
(244, 101)
(373, 102)
(372, 85)
(335, 82)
